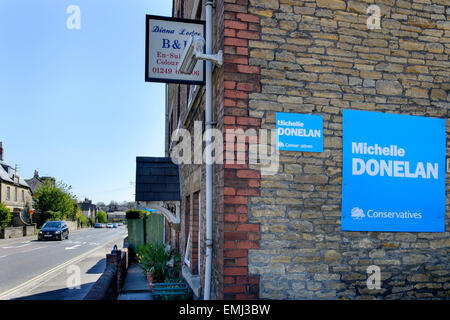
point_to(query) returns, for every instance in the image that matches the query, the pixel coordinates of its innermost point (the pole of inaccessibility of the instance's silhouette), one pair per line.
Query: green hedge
(135, 214)
(5, 216)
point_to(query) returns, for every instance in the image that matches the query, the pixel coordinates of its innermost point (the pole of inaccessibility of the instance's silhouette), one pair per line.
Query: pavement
(55, 270)
(136, 285)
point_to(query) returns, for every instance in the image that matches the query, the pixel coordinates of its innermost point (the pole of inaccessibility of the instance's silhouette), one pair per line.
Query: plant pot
(150, 280)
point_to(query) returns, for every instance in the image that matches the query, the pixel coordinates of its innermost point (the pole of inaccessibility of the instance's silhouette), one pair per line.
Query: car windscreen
(52, 224)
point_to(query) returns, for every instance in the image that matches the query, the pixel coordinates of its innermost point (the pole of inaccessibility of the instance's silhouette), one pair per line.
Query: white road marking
(2, 256)
(10, 292)
(24, 245)
(33, 249)
(73, 247)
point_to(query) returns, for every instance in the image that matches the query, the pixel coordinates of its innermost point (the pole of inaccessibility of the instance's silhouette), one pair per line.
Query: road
(40, 269)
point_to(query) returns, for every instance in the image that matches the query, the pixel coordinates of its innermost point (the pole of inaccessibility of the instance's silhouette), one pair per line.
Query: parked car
(54, 230)
(97, 225)
(114, 225)
(109, 225)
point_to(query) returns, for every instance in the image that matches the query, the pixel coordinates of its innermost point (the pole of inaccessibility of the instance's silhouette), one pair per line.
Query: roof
(37, 181)
(7, 174)
(87, 205)
(157, 179)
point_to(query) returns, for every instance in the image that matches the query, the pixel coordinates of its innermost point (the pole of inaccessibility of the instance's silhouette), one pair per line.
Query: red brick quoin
(240, 182)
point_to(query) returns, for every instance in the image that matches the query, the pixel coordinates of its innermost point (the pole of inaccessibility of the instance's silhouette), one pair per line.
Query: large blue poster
(299, 132)
(393, 172)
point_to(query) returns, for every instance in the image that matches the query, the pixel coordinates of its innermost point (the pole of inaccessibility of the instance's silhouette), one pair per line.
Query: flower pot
(149, 276)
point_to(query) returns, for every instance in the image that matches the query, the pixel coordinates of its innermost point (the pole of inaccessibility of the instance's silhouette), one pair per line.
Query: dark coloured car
(54, 230)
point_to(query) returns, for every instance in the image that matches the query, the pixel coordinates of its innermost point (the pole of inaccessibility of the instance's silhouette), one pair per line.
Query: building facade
(15, 193)
(88, 209)
(279, 236)
(38, 181)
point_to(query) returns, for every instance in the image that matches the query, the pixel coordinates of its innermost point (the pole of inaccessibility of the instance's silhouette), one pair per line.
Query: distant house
(37, 181)
(116, 216)
(88, 209)
(15, 193)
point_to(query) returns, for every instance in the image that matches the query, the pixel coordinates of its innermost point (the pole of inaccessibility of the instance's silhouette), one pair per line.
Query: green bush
(82, 221)
(54, 201)
(135, 214)
(101, 217)
(5, 216)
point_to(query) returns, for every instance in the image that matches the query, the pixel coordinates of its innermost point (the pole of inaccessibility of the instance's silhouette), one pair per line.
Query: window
(23, 196)
(187, 231)
(15, 194)
(187, 256)
(8, 193)
(195, 233)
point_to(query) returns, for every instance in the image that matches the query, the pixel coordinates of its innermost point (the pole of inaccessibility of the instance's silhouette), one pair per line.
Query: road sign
(166, 39)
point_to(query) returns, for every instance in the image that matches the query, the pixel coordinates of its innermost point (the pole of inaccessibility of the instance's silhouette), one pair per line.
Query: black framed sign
(165, 41)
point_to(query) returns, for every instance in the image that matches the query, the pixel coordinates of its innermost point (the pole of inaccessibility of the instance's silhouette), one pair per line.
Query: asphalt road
(40, 269)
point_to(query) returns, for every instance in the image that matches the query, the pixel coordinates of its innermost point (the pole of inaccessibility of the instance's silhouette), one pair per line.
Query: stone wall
(73, 226)
(318, 57)
(11, 232)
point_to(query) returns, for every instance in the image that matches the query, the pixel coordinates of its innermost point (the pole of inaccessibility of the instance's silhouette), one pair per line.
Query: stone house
(88, 209)
(15, 193)
(279, 236)
(38, 181)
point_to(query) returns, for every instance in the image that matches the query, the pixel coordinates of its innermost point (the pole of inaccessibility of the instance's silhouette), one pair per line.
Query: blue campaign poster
(299, 132)
(393, 172)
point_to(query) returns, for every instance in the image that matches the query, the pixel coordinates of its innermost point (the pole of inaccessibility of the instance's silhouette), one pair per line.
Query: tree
(82, 221)
(54, 201)
(101, 217)
(112, 206)
(75, 212)
(5, 216)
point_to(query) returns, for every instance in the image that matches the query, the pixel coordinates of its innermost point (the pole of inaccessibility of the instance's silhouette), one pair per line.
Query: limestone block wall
(318, 57)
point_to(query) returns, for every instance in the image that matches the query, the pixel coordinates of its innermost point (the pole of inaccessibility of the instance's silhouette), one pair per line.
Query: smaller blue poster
(299, 132)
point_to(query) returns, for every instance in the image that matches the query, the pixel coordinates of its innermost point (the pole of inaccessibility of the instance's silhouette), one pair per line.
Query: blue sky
(74, 103)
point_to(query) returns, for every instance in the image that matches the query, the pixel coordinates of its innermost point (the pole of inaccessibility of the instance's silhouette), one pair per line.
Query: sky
(73, 102)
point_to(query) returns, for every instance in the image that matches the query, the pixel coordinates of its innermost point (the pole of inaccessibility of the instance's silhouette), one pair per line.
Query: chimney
(1, 151)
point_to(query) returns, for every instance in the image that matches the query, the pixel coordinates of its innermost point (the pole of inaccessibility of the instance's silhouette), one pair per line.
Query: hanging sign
(166, 39)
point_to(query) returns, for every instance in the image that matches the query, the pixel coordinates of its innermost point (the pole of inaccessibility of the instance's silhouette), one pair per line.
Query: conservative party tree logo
(357, 213)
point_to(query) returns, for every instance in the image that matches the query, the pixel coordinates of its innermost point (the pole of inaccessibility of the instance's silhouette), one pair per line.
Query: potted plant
(153, 260)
